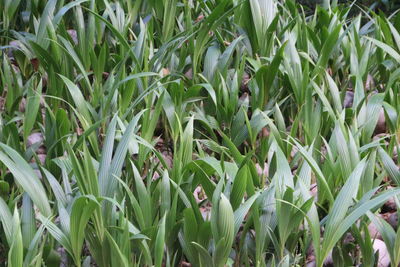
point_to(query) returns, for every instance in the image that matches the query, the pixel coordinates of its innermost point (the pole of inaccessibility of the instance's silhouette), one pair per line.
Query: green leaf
(316, 169)
(28, 223)
(241, 212)
(329, 44)
(389, 166)
(57, 234)
(119, 258)
(225, 231)
(108, 182)
(31, 109)
(239, 187)
(159, 244)
(340, 207)
(82, 210)
(386, 48)
(26, 178)
(16, 253)
(6, 220)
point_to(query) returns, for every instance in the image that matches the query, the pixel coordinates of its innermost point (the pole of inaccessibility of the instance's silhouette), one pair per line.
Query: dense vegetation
(374, 5)
(198, 133)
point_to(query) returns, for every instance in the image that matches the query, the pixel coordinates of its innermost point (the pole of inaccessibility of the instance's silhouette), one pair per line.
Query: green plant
(210, 133)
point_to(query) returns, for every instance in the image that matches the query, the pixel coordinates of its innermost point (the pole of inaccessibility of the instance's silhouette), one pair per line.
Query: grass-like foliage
(199, 133)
